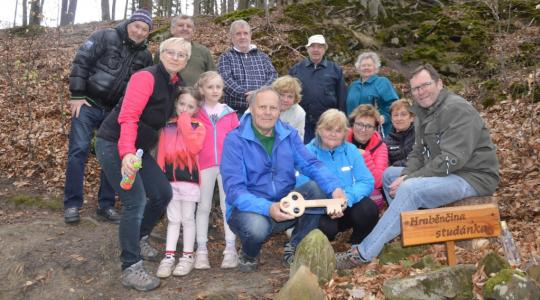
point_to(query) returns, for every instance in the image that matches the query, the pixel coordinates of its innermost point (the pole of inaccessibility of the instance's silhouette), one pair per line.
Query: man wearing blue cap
(99, 74)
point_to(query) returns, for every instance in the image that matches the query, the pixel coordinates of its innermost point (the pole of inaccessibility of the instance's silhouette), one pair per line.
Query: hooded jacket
(452, 138)
(103, 65)
(254, 180)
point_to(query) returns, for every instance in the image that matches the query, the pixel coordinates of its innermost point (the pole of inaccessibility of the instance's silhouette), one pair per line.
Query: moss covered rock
(447, 283)
(493, 263)
(511, 284)
(316, 253)
(395, 252)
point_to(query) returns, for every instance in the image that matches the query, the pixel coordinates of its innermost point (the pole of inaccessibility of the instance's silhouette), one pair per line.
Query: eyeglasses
(363, 126)
(175, 54)
(421, 87)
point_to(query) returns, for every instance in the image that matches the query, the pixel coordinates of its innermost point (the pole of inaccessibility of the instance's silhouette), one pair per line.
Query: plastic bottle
(127, 181)
(510, 250)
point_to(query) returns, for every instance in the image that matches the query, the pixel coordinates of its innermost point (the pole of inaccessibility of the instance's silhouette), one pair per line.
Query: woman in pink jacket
(365, 120)
(218, 119)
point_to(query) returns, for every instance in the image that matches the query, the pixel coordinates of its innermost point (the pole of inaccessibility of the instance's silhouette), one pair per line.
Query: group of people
(260, 137)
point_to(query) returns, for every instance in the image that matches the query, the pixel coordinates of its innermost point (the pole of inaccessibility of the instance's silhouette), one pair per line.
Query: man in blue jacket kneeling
(258, 166)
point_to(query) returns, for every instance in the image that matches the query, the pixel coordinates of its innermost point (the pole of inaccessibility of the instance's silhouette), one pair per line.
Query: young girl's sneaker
(230, 259)
(165, 267)
(201, 260)
(184, 266)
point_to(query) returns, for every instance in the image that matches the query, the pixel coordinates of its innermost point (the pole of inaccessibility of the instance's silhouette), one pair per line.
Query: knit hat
(142, 15)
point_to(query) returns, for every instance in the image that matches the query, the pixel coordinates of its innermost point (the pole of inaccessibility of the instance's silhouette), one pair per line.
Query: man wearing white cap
(323, 86)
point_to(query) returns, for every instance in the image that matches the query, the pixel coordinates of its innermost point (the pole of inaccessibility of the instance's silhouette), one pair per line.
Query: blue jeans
(413, 193)
(254, 229)
(139, 215)
(82, 131)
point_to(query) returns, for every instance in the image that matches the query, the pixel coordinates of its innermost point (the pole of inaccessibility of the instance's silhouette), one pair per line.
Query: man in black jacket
(99, 75)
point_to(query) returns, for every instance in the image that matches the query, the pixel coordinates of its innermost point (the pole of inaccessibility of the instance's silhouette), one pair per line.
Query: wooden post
(451, 253)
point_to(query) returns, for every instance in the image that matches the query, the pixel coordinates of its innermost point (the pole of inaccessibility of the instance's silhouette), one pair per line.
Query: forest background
(488, 51)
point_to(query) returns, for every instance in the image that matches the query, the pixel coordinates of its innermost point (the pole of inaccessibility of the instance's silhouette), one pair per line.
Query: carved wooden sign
(450, 224)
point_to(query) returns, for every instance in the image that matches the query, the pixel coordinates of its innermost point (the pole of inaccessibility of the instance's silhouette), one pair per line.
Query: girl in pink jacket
(218, 119)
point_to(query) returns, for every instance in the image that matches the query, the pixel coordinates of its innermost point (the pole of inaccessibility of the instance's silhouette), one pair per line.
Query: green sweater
(452, 138)
(199, 62)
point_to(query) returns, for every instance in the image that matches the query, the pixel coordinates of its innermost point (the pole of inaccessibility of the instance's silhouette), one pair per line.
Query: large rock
(511, 284)
(447, 283)
(316, 253)
(304, 285)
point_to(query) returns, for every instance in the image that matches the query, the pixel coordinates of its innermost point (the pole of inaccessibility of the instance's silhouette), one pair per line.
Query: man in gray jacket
(453, 158)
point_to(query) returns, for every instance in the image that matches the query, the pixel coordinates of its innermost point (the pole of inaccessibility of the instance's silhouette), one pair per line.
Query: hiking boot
(247, 264)
(288, 255)
(147, 251)
(230, 259)
(165, 267)
(138, 278)
(201, 260)
(108, 214)
(185, 265)
(71, 215)
(348, 260)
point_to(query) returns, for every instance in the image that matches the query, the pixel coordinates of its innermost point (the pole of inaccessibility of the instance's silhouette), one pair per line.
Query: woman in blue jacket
(344, 160)
(372, 89)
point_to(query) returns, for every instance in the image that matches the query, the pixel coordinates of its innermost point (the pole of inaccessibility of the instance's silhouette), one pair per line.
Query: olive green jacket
(452, 138)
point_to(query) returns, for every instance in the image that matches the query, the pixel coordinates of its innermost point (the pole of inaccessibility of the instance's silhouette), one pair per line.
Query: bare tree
(72, 8)
(105, 15)
(230, 6)
(24, 13)
(35, 13)
(15, 17)
(146, 4)
(113, 9)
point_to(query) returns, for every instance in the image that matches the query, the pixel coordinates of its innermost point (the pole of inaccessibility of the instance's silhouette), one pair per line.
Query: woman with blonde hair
(344, 160)
(290, 93)
(365, 119)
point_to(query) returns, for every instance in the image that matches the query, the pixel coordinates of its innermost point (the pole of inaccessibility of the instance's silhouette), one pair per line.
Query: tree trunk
(64, 13)
(71, 11)
(146, 4)
(113, 9)
(35, 16)
(105, 15)
(196, 7)
(230, 6)
(24, 13)
(133, 7)
(15, 17)
(243, 4)
(125, 9)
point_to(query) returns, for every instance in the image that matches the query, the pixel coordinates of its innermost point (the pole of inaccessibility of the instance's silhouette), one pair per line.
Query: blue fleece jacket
(347, 163)
(254, 180)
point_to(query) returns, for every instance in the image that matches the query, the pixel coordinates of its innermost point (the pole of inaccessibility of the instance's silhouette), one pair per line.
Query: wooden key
(295, 204)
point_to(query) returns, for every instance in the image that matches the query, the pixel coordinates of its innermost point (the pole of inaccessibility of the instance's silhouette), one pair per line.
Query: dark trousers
(361, 217)
(80, 136)
(143, 205)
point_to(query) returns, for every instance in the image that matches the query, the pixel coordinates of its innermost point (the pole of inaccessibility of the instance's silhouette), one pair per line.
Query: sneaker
(348, 260)
(247, 264)
(147, 251)
(288, 255)
(138, 278)
(185, 265)
(108, 214)
(230, 259)
(201, 260)
(71, 215)
(165, 267)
